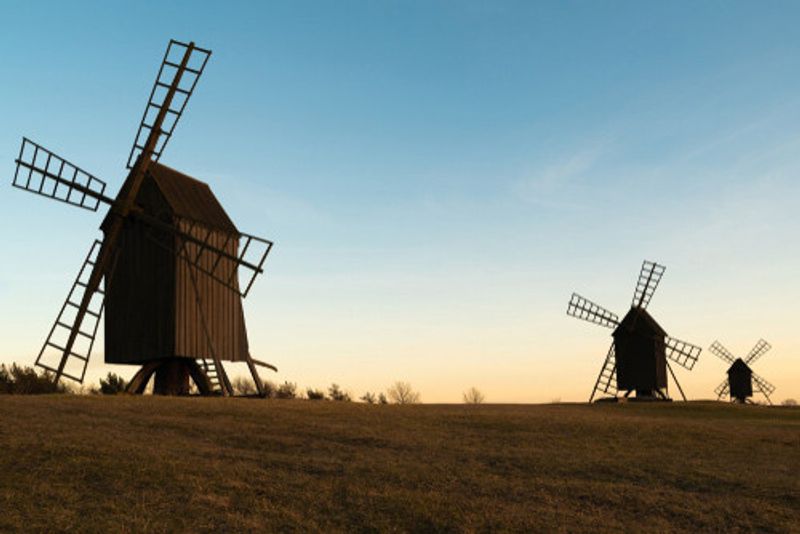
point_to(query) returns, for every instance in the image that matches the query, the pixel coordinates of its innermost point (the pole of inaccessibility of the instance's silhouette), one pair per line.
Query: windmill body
(153, 284)
(742, 381)
(638, 360)
(640, 354)
(168, 272)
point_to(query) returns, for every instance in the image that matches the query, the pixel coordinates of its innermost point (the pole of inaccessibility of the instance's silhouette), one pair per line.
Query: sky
(438, 177)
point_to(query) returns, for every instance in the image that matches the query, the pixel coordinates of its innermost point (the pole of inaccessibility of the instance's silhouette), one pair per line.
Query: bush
(287, 390)
(112, 384)
(473, 396)
(244, 386)
(6, 383)
(401, 393)
(336, 393)
(270, 389)
(27, 381)
(369, 398)
(789, 402)
(315, 394)
(382, 399)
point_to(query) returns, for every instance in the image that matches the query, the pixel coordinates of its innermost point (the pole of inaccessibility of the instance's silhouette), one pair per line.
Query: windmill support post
(675, 378)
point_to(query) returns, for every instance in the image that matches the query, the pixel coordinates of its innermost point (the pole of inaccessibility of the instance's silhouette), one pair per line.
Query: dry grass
(165, 465)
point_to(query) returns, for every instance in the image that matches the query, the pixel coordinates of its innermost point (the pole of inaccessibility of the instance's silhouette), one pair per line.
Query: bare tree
(401, 393)
(473, 396)
(369, 398)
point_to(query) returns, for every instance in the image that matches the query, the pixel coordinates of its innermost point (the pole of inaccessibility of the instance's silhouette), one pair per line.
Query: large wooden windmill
(167, 271)
(741, 380)
(637, 360)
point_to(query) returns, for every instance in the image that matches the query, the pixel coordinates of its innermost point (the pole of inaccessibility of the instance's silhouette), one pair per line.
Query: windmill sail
(193, 60)
(681, 352)
(42, 172)
(77, 357)
(719, 350)
(607, 379)
(758, 351)
(649, 277)
(585, 309)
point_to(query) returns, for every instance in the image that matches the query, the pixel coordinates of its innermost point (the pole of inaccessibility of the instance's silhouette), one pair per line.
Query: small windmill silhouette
(741, 380)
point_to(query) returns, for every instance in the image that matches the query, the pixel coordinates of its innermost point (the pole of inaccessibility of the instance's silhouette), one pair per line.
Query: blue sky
(439, 176)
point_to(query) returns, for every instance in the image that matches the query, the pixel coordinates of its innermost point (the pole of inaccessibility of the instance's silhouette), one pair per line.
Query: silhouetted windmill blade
(68, 320)
(681, 352)
(583, 308)
(127, 196)
(758, 351)
(720, 351)
(170, 68)
(607, 379)
(222, 256)
(649, 277)
(764, 386)
(42, 172)
(722, 389)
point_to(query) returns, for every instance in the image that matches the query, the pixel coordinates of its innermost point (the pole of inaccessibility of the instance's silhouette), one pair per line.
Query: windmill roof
(190, 198)
(638, 317)
(739, 366)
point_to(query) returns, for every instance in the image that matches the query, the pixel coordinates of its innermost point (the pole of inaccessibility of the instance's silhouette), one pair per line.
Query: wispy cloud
(552, 183)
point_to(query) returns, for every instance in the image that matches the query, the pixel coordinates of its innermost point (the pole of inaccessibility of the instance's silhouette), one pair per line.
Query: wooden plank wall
(139, 312)
(221, 307)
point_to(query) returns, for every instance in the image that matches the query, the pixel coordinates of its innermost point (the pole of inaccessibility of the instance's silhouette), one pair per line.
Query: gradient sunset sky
(439, 177)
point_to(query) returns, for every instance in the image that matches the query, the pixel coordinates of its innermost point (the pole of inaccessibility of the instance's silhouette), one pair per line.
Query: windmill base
(640, 396)
(172, 377)
(633, 399)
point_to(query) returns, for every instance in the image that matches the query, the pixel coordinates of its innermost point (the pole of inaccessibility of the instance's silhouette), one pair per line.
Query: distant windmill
(637, 360)
(169, 262)
(741, 379)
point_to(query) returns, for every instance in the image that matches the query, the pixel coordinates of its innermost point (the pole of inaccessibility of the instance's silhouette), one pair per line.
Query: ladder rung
(177, 89)
(69, 327)
(90, 312)
(98, 290)
(159, 106)
(187, 69)
(75, 354)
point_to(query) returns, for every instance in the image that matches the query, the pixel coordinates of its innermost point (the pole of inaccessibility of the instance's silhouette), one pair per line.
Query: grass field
(169, 464)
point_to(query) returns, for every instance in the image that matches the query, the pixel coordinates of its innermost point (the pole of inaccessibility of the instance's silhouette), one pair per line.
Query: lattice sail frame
(607, 379)
(166, 75)
(766, 388)
(583, 308)
(44, 173)
(722, 389)
(683, 353)
(78, 357)
(721, 352)
(196, 248)
(649, 278)
(198, 245)
(761, 348)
